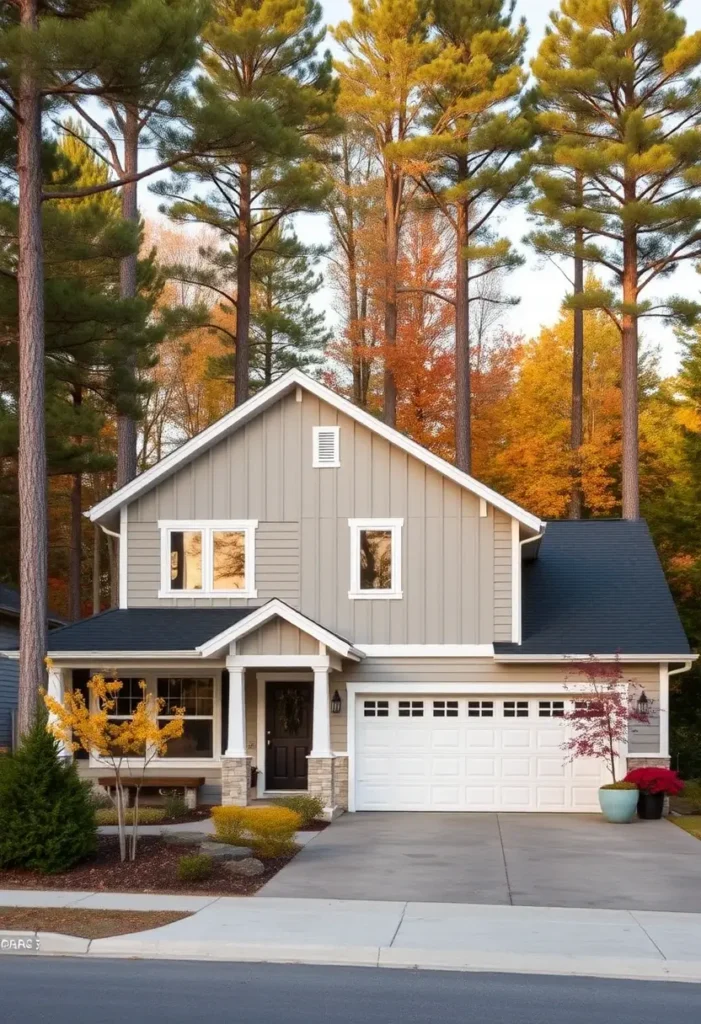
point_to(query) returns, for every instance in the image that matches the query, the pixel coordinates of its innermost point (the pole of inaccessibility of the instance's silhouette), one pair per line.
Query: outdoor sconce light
(336, 703)
(643, 703)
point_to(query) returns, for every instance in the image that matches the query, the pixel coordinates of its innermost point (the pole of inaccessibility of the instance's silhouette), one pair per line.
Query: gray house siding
(277, 637)
(9, 679)
(502, 576)
(452, 563)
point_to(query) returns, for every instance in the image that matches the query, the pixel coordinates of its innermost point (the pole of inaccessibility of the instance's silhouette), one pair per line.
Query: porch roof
(190, 632)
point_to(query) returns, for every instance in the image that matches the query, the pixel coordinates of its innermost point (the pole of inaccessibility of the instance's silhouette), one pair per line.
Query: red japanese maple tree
(602, 714)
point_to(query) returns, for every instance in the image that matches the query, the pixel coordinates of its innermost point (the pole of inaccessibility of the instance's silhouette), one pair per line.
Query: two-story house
(356, 618)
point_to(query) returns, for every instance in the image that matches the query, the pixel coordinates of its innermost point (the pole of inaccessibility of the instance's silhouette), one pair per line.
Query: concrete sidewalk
(531, 940)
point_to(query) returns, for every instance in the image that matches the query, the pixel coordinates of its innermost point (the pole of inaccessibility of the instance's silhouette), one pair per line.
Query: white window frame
(207, 527)
(151, 679)
(395, 528)
(316, 464)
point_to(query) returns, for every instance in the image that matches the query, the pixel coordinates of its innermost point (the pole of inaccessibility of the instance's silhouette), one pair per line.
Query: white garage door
(426, 753)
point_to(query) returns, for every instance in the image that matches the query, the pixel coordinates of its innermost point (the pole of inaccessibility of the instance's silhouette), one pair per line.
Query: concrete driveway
(540, 860)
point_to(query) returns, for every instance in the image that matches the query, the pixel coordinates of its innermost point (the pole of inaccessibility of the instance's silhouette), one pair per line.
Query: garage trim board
(448, 748)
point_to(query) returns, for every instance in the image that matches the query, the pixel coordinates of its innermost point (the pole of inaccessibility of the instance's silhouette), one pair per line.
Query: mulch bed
(154, 870)
(83, 923)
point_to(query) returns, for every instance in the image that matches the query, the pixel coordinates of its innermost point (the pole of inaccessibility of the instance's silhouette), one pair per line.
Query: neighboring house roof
(10, 605)
(200, 632)
(597, 587)
(263, 400)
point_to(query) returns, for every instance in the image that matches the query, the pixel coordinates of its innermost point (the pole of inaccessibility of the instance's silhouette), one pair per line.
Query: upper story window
(208, 558)
(376, 558)
(326, 451)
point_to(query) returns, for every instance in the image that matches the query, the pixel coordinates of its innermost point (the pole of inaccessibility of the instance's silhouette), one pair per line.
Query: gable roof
(597, 587)
(191, 632)
(263, 400)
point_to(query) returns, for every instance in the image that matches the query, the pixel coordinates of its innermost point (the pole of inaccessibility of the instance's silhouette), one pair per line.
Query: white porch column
(236, 742)
(321, 731)
(54, 689)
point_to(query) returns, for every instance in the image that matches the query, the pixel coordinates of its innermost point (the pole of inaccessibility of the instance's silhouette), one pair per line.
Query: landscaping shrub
(47, 821)
(653, 779)
(309, 808)
(195, 867)
(146, 816)
(174, 804)
(619, 785)
(272, 829)
(228, 824)
(100, 801)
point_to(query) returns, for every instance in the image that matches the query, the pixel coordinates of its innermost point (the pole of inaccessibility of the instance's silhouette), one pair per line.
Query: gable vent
(326, 447)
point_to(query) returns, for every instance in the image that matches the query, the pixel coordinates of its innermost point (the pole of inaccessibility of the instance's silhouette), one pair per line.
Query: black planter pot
(650, 805)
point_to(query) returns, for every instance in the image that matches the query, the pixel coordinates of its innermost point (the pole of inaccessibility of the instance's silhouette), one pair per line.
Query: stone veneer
(328, 779)
(235, 778)
(647, 762)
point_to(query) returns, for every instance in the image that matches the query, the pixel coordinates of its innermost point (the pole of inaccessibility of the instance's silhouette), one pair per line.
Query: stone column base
(326, 783)
(235, 778)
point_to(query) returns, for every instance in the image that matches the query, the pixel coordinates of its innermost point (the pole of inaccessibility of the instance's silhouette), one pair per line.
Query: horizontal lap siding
(9, 680)
(502, 576)
(265, 472)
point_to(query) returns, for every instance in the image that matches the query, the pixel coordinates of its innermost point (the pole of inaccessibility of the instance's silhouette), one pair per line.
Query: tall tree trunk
(269, 339)
(126, 426)
(75, 549)
(629, 372)
(364, 363)
(463, 446)
(96, 570)
(243, 288)
(33, 568)
(352, 258)
(577, 413)
(391, 256)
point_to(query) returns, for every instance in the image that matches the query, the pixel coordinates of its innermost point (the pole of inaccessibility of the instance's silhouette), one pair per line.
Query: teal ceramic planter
(618, 805)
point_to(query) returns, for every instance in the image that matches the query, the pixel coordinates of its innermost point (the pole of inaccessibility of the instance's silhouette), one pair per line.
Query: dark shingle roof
(10, 603)
(597, 587)
(146, 629)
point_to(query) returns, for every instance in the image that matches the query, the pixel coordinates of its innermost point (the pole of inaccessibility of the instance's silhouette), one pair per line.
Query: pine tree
(47, 822)
(623, 102)
(265, 90)
(387, 48)
(152, 49)
(471, 163)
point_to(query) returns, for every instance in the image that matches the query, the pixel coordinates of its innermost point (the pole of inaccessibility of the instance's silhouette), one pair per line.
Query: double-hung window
(207, 558)
(376, 558)
(196, 695)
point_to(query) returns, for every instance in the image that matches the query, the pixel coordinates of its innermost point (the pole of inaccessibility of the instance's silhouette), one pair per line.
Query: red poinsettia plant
(656, 780)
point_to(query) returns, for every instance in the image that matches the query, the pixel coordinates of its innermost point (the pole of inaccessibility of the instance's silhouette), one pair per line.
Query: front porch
(265, 708)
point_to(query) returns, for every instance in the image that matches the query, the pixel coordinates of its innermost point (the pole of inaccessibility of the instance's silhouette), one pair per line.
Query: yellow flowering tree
(122, 745)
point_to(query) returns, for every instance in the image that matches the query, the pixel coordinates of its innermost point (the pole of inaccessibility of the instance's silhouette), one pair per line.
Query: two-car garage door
(447, 753)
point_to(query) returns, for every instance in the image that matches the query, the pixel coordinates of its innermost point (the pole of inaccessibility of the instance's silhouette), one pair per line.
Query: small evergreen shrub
(195, 867)
(228, 824)
(272, 830)
(47, 821)
(146, 816)
(174, 804)
(309, 808)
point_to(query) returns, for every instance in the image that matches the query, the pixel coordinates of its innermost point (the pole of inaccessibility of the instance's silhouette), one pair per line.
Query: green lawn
(691, 823)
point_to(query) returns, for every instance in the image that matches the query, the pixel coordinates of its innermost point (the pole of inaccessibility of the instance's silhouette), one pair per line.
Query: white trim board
(267, 397)
(123, 555)
(268, 611)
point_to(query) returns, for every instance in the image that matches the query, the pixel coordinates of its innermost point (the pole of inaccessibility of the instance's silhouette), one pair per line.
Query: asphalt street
(34, 990)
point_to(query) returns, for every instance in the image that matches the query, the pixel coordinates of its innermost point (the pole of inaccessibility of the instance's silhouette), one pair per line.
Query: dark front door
(288, 727)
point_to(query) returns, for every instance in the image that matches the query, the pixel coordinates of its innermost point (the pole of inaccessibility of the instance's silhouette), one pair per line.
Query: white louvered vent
(326, 447)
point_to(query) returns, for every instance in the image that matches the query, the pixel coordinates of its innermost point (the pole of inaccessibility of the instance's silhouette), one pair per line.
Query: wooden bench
(189, 785)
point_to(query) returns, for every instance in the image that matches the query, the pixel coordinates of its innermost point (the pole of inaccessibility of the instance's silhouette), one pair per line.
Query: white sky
(541, 288)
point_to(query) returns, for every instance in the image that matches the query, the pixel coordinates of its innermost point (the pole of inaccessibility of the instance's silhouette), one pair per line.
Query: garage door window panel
(411, 709)
(480, 709)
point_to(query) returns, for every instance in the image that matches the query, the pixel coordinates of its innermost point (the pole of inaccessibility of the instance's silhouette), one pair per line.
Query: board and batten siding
(452, 564)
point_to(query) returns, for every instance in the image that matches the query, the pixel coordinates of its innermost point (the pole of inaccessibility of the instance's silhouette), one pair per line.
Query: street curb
(124, 948)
